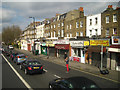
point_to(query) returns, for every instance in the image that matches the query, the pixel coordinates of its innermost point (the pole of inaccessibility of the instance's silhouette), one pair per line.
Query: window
(59, 25)
(107, 19)
(62, 32)
(81, 33)
(77, 33)
(96, 31)
(115, 31)
(81, 23)
(67, 27)
(70, 34)
(67, 35)
(70, 26)
(77, 24)
(54, 26)
(90, 33)
(51, 34)
(114, 18)
(90, 21)
(96, 20)
(107, 32)
(54, 33)
(51, 26)
(58, 33)
(62, 24)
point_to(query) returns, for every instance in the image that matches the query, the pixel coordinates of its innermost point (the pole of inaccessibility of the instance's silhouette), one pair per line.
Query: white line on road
(57, 76)
(21, 78)
(45, 70)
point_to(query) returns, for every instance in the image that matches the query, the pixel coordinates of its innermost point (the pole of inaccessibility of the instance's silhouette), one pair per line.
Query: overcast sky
(18, 13)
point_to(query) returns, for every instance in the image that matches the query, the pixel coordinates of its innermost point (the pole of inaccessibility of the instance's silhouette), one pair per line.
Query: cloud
(7, 15)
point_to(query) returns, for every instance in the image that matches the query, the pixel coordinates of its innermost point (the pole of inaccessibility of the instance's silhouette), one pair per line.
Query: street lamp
(34, 30)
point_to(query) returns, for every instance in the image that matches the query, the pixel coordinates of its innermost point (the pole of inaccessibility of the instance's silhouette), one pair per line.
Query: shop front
(98, 48)
(78, 50)
(50, 48)
(61, 46)
(43, 49)
(114, 54)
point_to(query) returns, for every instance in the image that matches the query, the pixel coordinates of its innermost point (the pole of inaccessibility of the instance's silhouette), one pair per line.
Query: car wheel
(26, 72)
(50, 87)
(20, 67)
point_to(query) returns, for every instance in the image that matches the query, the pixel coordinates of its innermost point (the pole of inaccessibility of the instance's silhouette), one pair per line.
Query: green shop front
(43, 49)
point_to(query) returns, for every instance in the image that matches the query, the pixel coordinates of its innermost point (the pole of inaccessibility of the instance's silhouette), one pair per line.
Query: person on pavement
(67, 64)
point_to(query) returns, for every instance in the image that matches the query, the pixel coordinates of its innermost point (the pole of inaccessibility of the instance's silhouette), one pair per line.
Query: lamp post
(34, 31)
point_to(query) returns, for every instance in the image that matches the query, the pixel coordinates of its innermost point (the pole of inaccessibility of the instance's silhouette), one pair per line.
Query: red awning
(62, 46)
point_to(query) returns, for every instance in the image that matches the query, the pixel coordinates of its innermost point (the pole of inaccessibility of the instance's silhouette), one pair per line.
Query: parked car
(20, 58)
(31, 66)
(13, 55)
(10, 47)
(72, 83)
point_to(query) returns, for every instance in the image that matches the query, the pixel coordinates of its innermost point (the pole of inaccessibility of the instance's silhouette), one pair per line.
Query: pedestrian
(67, 64)
(65, 55)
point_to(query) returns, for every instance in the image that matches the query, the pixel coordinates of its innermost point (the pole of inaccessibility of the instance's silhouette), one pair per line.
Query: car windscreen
(33, 63)
(22, 56)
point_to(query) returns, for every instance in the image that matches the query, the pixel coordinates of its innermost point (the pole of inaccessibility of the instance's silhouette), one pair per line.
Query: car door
(24, 64)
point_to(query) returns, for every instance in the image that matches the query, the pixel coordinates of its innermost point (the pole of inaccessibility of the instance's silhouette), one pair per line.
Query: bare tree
(9, 34)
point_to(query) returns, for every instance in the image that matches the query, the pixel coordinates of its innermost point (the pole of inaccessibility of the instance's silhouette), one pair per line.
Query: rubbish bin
(36, 52)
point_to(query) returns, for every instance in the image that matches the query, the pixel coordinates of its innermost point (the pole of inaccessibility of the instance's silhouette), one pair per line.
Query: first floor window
(107, 19)
(51, 34)
(90, 32)
(70, 34)
(115, 31)
(81, 33)
(96, 31)
(81, 23)
(67, 35)
(107, 32)
(58, 33)
(62, 32)
(77, 33)
(54, 33)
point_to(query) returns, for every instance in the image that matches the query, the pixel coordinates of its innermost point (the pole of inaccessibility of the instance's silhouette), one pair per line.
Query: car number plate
(36, 67)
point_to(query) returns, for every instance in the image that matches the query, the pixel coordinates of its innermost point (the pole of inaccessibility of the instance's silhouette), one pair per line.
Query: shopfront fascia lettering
(62, 42)
(58, 46)
(99, 42)
(76, 43)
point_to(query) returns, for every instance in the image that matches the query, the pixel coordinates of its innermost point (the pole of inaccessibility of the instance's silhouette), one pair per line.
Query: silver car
(20, 58)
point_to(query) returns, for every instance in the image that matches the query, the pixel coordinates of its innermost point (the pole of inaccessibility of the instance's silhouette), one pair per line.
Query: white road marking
(57, 76)
(21, 78)
(45, 70)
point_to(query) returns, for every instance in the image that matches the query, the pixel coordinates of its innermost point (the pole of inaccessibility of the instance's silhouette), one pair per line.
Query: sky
(17, 12)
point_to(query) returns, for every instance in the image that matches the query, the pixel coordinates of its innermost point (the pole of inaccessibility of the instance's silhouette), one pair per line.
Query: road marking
(21, 78)
(45, 70)
(96, 75)
(57, 76)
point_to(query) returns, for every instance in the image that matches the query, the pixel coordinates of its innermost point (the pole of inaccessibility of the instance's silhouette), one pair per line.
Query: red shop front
(61, 49)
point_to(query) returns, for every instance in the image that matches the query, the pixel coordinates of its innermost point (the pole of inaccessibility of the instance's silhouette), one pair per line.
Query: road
(51, 71)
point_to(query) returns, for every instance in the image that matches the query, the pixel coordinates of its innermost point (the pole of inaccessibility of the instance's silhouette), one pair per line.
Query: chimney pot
(109, 6)
(81, 9)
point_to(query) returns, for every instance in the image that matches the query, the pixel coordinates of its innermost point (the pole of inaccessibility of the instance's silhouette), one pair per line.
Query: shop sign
(114, 50)
(61, 42)
(50, 43)
(76, 59)
(115, 40)
(61, 46)
(76, 43)
(86, 43)
(99, 42)
(43, 44)
(44, 50)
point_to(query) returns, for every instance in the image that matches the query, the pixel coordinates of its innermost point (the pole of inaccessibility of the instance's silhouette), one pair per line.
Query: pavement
(86, 68)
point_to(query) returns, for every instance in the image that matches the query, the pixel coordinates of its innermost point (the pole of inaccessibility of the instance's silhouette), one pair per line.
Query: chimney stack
(81, 9)
(109, 6)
